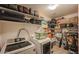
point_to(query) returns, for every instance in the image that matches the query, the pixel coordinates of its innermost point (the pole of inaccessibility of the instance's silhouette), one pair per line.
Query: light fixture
(53, 7)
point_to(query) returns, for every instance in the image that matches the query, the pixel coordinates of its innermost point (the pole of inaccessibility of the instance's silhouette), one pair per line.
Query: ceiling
(61, 10)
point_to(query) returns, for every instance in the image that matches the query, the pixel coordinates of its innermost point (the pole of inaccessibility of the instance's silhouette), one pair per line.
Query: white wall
(10, 29)
(71, 18)
(71, 15)
(0, 35)
(47, 18)
(78, 28)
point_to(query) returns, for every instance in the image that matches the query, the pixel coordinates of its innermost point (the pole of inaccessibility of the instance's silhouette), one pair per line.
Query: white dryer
(42, 45)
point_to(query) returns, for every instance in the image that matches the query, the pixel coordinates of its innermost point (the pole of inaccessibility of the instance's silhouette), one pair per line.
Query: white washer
(19, 48)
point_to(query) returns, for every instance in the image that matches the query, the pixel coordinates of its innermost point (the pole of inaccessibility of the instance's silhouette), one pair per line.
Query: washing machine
(19, 46)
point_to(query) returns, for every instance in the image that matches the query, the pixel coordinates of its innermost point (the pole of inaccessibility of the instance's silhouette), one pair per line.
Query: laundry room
(38, 28)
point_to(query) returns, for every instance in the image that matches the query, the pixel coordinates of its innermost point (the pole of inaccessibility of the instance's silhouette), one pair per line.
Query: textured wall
(78, 28)
(0, 34)
(10, 29)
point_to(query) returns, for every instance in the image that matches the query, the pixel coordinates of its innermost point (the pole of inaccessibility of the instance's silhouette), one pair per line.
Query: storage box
(13, 6)
(25, 10)
(4, 5)
(20, 8)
